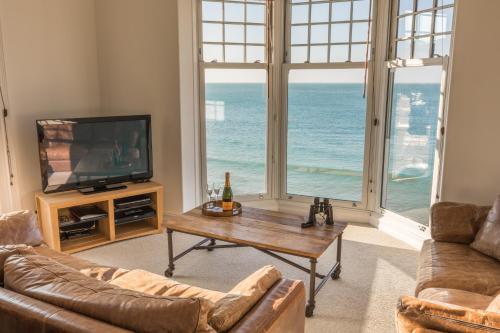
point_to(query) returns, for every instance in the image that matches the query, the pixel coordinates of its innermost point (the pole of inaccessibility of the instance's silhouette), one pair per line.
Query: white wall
(51, 71)
(139, 73)
(472, 155)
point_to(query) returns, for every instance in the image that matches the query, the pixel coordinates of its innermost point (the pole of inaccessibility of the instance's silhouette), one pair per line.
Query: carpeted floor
(376, 270)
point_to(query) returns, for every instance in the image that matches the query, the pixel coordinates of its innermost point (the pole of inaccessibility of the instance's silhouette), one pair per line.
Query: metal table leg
(336, 273)
(169, 272)
(211, 244)
(312, 289)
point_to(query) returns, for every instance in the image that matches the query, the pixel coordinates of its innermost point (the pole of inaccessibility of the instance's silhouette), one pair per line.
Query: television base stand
(98, 189)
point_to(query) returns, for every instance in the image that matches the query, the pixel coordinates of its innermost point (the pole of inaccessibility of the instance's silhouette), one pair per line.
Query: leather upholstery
(9, 250)
(457, 266)
(487, 240)
(46, 280)
(20, 228)
(456, 222)
(457, 297)
(280, 310)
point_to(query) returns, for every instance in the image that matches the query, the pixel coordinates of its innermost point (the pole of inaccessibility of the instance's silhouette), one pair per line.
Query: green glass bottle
(227, 195)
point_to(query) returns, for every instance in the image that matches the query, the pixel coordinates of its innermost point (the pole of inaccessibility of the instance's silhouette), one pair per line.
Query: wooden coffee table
(267, 231)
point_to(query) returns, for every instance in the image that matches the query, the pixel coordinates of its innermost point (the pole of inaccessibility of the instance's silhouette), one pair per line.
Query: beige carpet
(376, 270)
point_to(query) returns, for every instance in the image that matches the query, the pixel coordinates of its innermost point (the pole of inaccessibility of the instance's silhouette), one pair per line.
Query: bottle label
(227, 205)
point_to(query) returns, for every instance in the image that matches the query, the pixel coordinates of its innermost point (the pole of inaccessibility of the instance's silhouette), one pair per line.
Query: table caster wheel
(309, 310)
(336, 274)
(169, 272)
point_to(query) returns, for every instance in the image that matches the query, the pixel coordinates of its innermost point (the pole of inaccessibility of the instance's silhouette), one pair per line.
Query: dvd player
(133, 202)
(135, 214)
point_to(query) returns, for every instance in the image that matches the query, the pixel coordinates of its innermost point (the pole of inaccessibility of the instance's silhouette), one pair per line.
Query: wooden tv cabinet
(51, 206)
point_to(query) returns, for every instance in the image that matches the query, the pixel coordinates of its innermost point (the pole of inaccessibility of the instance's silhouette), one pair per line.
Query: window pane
(234, 33)
(319, 53)
(212, 32)
(445, 2)
(341, 11)
(361, 10)
(299, 34)
(358, 53)
(299, 54)
(340, 33)
(339, 53)
(422, 48)
(256, 34)
(235, 117)
(442, 45)
(405, 6)
(444, 20)
(234, 12)
(300, 14)
(319, 34)
(405, 26)
(411, 142)
(424, 4)
(234, 53)
(256, 13)
(320, 12)
(212, 11)
(360, 32)
(326, 133)
(256, 54)
(423, 23)
(403, 49)
(212, 53)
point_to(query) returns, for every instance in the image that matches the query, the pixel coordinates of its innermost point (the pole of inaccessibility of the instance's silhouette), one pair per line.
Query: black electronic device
(323, 208)
(87, 213)
(132, 202)
(134, 214)
(94, 154)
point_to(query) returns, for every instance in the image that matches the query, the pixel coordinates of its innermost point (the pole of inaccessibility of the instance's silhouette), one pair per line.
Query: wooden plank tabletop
(264, 229)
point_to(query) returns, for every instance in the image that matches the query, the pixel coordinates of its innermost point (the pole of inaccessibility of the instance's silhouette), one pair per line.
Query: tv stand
(104, 188)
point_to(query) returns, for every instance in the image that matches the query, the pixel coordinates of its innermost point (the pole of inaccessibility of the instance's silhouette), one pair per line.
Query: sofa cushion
(494, 306)
(457, 266)
(154, 284)
(44, 279)
(10, 250)
(487, 240)
(456, 297)
(20, 228)
(243, 297)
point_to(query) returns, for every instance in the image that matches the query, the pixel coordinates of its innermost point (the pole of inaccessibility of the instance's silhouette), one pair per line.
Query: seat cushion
(9, 250)
(457, 266)
(487, 240)
(44, 279)
(494, 306)
(462, 298)
(20, 228)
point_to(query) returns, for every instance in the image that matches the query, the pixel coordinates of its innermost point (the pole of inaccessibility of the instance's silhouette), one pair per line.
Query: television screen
(90, 152)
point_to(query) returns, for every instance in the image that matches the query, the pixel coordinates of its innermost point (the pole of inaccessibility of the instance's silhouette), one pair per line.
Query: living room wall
(50, 57)
(472, 159)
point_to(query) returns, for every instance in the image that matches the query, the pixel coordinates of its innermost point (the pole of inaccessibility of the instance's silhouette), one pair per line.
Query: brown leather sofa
(458, 288)
(47, 292)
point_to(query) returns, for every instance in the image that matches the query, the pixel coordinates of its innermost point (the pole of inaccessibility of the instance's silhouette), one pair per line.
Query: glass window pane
(404, 26)
(445, 2)
(339, 53)
(444, 20)
(234, 53)
(340, 33)
(256, 54)
(211, 11)
(423, 23)
(212, 53)
(341, 11)
(320, 12)
(361, 10)
(256, 13)
(235, 118)
(212, 32)
(442, 45)
(424, 4)
(256, 34)
(422, 48)
(234, 33)
(300, 14)
(405, 6)
(403, 49)
(358, 53)
(360, 32)
(319, 33)
(326, 133)
(234, 12)
(299, 54)
(411, 146)
(299, 34)
(319, 54)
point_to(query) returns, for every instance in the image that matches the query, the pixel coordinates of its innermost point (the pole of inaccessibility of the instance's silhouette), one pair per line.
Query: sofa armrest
(457, 222)
(413, 313)
(282, 309)
(19, 313)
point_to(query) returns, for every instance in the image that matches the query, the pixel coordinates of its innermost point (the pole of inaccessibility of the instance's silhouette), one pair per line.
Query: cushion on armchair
(487, 240)
(20, 228)
(9, 250)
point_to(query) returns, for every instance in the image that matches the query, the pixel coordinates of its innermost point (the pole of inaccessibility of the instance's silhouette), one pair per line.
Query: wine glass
(210, 191)
(217, 191)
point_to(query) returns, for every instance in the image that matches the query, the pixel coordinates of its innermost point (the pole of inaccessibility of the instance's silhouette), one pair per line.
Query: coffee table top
(264, 229)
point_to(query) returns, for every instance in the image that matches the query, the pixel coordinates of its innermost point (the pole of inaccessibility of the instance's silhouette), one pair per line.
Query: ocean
(325, 143)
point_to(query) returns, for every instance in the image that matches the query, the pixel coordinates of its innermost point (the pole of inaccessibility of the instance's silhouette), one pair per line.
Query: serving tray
(214, 208)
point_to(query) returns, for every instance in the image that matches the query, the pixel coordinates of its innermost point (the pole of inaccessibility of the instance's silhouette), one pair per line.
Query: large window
(422, 35)
(233, 50)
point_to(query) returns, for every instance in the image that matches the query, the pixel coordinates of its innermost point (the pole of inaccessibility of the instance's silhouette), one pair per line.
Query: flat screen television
(94, 154)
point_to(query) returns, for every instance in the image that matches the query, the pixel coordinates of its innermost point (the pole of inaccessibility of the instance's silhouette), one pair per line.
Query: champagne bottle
(227, 195)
